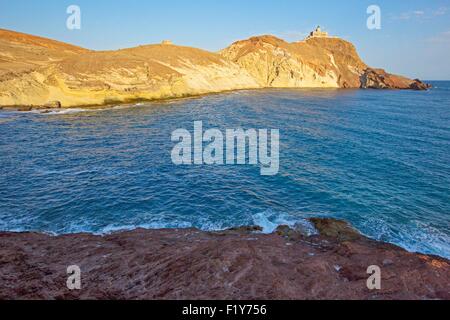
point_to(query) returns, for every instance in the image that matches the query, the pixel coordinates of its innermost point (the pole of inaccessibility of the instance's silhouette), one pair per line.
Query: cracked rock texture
(234, 264)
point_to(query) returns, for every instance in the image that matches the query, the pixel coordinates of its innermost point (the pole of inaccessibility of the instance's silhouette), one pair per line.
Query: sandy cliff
(39, 72)
(321, 62)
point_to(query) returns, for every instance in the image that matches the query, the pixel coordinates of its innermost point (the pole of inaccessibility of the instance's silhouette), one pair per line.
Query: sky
(414, 39)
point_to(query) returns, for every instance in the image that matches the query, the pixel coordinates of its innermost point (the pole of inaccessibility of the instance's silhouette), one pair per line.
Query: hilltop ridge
(39, 72)
(20, 52)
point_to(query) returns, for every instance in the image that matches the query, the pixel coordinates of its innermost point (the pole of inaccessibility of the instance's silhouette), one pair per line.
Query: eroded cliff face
(326, 62)
(315, 63)
(38, 72)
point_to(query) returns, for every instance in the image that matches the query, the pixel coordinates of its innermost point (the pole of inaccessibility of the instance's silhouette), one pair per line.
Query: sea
(379, 159)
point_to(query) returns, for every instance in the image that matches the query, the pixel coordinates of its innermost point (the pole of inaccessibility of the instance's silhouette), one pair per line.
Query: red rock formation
(234, 264)
(380, 79)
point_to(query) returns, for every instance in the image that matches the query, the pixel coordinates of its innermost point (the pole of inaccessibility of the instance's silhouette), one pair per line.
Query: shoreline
(106, 106)
(133, 102)
(238, 263)
(257, 229)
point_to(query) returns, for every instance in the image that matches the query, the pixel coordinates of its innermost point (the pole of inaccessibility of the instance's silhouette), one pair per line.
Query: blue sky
(414, 39)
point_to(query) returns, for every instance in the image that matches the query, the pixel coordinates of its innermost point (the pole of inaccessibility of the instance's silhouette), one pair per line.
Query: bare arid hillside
(51, 72)
(40, 73)
(21, 52)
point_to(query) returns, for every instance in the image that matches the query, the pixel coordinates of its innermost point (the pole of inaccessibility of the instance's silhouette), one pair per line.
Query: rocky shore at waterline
(240, 263)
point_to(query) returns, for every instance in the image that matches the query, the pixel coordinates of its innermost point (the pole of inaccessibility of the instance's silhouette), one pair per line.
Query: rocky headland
(240, 263)
(39, 73)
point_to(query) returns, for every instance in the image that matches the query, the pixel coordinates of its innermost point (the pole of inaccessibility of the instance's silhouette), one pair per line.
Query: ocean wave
(113, 228)
(414, 235)
(81, 110)
(161, 223)
(270, 221)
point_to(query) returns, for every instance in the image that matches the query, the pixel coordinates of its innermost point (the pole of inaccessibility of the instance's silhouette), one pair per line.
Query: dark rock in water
(380, 79)
(48, 105)
(372, 79)
(283, 230)
(286, 231)
(53, 105)
(336, 229)
(419, 85)
(293, 234)
(25, 108)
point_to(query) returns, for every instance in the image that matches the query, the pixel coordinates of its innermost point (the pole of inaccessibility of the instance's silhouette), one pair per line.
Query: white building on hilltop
(318, 33)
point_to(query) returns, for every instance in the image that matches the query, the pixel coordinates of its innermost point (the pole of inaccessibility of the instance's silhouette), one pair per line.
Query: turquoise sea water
(378, 159)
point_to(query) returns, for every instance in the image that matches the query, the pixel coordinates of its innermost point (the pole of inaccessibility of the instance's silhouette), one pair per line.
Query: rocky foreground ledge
(234, 264)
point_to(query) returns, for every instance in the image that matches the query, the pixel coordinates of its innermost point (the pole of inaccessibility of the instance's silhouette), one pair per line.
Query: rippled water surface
(379, 159)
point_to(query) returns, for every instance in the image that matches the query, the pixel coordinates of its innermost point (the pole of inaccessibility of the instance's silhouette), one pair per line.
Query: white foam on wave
(52, 112)
(113, 228)
(270, 221)
(414, 235)
(80, 110)
(164, 222)
(77, 110)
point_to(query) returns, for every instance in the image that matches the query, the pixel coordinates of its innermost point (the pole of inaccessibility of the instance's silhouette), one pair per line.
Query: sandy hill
(39, 71)
(35, 71)
(21, 52)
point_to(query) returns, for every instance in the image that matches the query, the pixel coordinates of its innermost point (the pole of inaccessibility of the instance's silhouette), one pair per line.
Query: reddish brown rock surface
(237, 264)
(380, 79)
